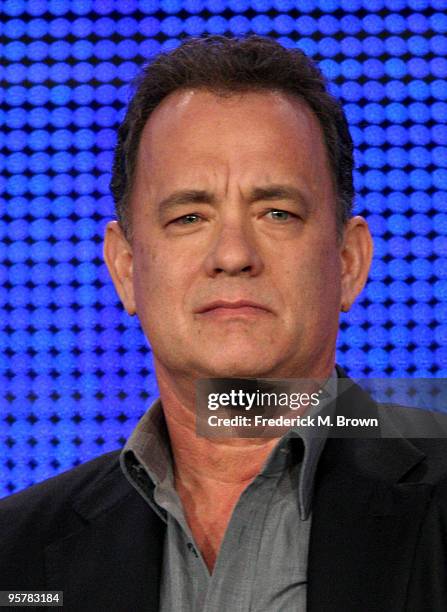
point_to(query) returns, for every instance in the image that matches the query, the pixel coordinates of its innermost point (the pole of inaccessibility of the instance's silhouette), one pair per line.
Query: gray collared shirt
(262, 563)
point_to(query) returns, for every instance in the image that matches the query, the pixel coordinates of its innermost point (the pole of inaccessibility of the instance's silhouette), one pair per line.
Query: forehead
(268, 133)
(193, 111)
(185, 104)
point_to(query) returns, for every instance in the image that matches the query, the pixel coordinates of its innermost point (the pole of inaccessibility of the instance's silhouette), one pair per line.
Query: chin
(238, 368)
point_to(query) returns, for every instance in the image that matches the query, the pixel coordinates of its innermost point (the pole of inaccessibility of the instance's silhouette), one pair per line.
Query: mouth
(239, 308)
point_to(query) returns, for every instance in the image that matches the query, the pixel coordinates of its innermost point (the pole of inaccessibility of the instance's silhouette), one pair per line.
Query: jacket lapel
(364, 521)
(114, 562)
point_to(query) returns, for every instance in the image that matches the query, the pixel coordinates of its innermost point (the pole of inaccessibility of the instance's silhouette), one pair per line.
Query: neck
(204, 464)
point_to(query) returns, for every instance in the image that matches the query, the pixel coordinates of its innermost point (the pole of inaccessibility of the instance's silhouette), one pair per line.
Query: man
(236, 247)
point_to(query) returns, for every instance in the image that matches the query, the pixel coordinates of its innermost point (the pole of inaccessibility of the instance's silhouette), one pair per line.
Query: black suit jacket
(378, 540)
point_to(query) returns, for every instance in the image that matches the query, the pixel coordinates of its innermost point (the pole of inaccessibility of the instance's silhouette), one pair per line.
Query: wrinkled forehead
(270, 125)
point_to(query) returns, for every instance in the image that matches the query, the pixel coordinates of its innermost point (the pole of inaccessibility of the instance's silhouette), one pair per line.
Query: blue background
(75, 370)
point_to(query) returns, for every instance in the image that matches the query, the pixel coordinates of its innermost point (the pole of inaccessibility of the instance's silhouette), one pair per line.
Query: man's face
(235, 268)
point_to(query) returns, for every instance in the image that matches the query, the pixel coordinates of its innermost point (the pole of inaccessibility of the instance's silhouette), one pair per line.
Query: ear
(119, 260)
(356, 255)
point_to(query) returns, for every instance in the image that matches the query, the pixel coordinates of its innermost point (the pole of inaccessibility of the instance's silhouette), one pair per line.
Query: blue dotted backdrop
(75, 370)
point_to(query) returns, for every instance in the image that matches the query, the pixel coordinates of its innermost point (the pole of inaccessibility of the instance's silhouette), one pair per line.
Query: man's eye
(187, 219)
(280, 215)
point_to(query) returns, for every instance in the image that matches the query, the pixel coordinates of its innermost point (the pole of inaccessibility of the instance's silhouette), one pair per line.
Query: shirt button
(192, 549)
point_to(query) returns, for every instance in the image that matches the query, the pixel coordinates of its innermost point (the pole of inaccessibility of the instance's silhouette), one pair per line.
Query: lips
(238, 307)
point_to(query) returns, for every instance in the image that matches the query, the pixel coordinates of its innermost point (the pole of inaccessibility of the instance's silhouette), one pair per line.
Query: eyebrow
(186, 196)
(279, 192)
(268, 192)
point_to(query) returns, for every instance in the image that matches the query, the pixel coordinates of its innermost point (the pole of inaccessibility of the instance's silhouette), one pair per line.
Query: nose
(234, 251)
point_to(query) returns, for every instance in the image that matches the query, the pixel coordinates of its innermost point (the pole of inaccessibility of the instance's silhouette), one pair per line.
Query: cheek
(315, 279)
(159, 279)
(147, 271)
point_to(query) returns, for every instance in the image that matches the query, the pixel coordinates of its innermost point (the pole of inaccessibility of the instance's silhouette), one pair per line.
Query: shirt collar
(147, 461)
